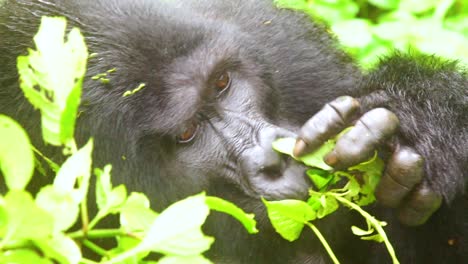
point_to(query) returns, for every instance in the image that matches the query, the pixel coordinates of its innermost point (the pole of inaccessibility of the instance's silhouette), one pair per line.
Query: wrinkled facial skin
(230, 130)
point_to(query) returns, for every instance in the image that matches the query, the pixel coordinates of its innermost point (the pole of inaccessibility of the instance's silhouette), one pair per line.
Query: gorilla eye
(223, 82)
(189, 133)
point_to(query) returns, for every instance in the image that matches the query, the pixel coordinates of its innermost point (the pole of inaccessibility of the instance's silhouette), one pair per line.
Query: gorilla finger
(328, 122)
(359, 144)
(421, 204)
(404, 170)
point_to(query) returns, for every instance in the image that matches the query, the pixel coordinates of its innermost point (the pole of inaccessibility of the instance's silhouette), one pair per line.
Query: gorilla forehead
(176, 56)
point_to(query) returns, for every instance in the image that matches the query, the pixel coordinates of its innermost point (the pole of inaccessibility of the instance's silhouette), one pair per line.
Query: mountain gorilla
(224, 79)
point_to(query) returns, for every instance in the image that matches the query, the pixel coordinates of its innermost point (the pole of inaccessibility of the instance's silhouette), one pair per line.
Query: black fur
(283, 68)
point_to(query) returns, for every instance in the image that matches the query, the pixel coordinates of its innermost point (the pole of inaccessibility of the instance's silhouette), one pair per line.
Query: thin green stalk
(374, 222)
(324, 242)
(98, 233)
(95, 248)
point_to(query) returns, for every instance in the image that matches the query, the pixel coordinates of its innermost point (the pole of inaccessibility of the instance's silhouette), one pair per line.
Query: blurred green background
(369, 29)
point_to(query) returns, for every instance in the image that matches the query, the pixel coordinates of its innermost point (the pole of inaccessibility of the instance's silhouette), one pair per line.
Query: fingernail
(299, 147)
(331, 158)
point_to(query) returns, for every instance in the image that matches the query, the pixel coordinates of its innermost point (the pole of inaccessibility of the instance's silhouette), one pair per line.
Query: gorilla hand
(402, 185)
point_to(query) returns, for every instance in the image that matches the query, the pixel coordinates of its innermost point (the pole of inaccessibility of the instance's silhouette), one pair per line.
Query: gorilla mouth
(293, 183)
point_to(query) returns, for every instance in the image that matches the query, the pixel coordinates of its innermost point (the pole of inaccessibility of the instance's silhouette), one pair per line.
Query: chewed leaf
(314, 159)
(52, 76)
(284, 145)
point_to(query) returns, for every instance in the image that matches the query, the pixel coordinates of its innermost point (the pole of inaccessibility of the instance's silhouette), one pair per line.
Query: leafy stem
(372, 220)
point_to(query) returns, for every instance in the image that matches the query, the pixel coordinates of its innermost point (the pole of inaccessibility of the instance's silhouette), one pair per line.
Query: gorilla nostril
(274, 165)
(271, 171)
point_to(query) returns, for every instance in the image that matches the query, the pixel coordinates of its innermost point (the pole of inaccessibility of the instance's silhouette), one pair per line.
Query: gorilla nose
(270, 162)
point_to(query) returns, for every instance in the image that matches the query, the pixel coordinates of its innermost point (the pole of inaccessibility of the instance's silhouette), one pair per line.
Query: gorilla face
(219, 119)
(223, 80)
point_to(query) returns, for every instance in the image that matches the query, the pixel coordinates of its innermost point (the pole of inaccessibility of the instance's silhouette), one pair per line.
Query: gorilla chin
(223, 80)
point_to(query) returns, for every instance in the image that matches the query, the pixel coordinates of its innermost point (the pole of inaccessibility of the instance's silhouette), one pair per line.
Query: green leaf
(108, 199)
(320, 178)
(76, 167)
(314, 159)
(352, 187)
(136, 213)
(284, 145)
(16, 156)
(61, 248)
(372, 170)
(25, 220)
(177, 230)
(329, 205)
(289, 216)
(51, 78)
(60, 205)
(197, 259)
(224, 206)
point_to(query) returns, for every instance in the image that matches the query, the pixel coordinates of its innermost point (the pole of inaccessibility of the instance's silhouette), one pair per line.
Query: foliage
(37, 229)
(288, 217)
(370, 29)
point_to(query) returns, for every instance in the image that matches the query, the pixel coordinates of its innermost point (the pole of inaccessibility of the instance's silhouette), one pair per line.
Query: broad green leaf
(177, 230)
(51, 78)
(60, 205)
(329, 205)
(289, 216)
(352, 187)
(218, 204)
(284, 145)
(320, 178)
(314, 159)
(16, 156)
(25, 220)
(61, 248)
(373, 170)
(136, 213)
(109, 200)
(76, 167)
(314, 201)
(197, 259)
(22, 256)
